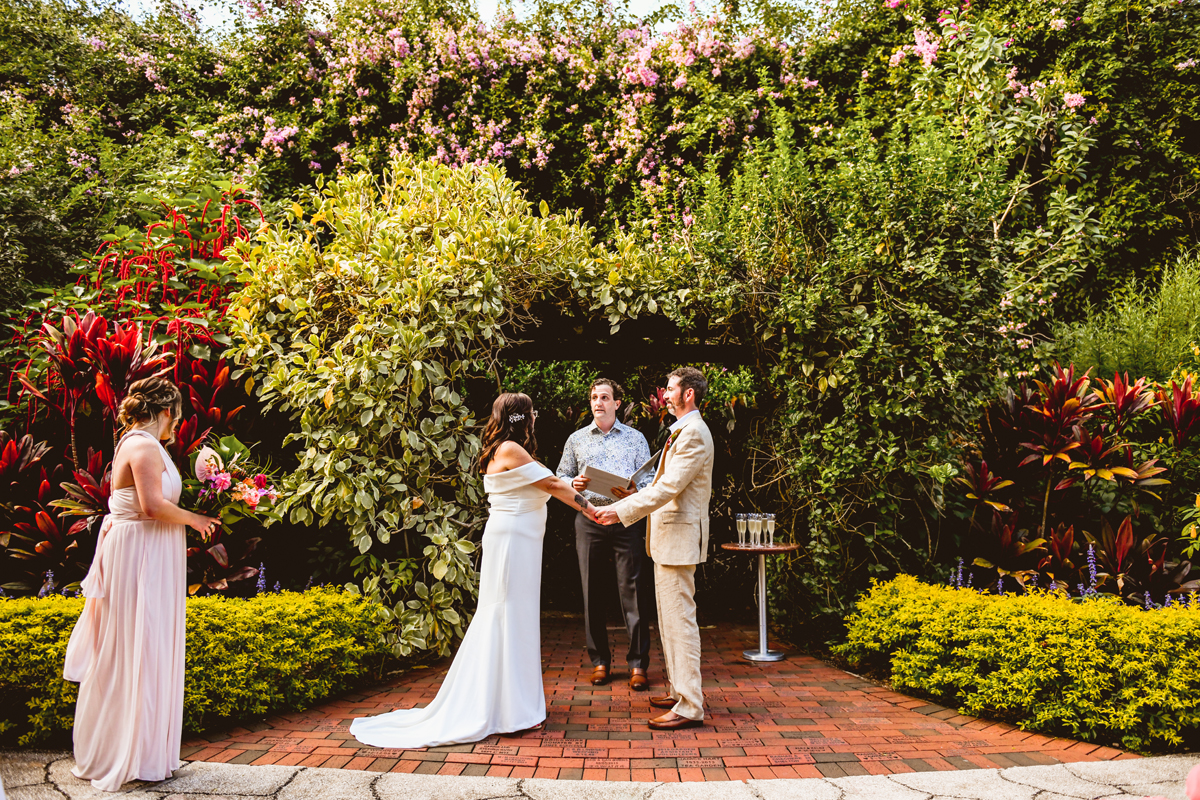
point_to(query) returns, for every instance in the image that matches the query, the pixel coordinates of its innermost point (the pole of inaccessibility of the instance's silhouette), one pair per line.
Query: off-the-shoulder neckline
(514, 469)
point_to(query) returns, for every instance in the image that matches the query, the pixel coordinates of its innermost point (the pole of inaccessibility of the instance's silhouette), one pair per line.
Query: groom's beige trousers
(675, 592)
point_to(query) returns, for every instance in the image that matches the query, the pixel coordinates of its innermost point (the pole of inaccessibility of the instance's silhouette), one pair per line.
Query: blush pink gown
(127, 649)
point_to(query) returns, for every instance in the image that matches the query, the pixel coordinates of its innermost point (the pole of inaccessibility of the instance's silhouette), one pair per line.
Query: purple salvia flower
(1092, 568)
(1149, 604)
(276, 587)
(262, 579)
(308, 585)
(1167, 601)
(960, 569)
(1000, 586)
(48, 586)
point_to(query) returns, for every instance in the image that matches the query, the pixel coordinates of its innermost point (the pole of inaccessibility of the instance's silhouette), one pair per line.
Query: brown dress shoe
(600, 675)
(638, 681)
(673, 722)
(666, 701)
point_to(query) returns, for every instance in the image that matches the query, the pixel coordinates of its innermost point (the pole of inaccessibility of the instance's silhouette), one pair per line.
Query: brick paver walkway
(798, 718)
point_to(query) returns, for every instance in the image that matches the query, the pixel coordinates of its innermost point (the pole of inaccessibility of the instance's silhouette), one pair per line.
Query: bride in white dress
(495, 682)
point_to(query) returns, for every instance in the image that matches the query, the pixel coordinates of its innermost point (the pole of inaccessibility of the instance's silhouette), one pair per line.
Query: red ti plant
(1010, 551)
(123, 358)
(88, 496)
(1057, 415)
(205, 385)
(1124, 400)
(981, 486)
(18, 457)
(1058, 563)
(42, 540)
(1064, 404)
(1181, 408)
(1130, 563)
(73, 370)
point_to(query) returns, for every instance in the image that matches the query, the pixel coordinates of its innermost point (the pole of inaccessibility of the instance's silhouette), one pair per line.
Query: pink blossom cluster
(1073, 100)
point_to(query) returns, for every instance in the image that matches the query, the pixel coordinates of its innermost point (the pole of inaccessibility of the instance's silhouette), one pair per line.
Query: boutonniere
(670, 441)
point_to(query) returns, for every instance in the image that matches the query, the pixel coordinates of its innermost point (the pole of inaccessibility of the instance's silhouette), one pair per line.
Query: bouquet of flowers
(230, 486)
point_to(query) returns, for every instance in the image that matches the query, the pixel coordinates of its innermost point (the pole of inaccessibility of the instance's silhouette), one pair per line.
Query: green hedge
(1096, 670)
(273, 653)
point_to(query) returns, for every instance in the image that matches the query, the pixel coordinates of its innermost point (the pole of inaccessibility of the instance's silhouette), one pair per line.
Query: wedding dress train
(495, 682)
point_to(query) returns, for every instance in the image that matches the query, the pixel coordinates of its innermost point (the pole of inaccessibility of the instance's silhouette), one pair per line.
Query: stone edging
(46, 776)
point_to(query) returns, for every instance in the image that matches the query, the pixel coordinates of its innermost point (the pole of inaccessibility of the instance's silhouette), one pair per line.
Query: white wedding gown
(495, 682)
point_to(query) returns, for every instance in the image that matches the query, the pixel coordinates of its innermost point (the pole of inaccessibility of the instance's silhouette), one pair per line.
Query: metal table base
(762, 653)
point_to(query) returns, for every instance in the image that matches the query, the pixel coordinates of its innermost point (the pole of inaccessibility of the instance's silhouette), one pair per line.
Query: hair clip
(515, 417)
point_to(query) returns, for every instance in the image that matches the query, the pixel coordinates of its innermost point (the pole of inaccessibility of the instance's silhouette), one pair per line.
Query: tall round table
(762, 551)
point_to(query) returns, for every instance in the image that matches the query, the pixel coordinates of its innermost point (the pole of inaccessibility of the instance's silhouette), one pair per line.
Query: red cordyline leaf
(19, 456)
(1126, 400)
(122, 359)
(1063, 406)
(1182, 410)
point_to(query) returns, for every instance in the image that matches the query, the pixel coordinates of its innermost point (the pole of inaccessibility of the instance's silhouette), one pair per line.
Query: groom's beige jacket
(677, 501)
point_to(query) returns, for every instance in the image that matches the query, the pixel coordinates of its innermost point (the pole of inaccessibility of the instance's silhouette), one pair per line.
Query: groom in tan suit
(677, 540)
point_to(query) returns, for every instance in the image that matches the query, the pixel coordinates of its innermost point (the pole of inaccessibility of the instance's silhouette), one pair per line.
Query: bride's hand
(589, 511)
(205, 526)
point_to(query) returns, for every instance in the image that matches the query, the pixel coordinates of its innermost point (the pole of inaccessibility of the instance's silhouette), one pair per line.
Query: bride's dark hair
(511, 421)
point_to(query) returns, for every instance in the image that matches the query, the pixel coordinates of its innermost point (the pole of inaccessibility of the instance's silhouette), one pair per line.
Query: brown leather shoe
(600, 675)
(638, 681)
(666, 701)
(673, 722)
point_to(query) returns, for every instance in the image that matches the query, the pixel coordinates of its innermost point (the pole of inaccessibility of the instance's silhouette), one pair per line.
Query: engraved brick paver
(798, 718)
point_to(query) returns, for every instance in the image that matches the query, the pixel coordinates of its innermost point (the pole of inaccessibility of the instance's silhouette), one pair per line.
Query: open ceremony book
(603, 482)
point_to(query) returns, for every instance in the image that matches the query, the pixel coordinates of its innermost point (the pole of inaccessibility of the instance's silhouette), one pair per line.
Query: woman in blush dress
(495, 682)
(127, 649)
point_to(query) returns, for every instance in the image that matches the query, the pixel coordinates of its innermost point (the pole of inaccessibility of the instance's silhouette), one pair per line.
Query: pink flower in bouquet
(247, 492)
(220, 481)
(260, 481)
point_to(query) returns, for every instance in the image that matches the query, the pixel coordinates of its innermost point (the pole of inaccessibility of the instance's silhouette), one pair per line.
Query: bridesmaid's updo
(511, 420)
(147, 399)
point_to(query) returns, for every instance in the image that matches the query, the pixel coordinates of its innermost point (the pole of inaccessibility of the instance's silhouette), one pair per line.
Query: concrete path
(29, 775)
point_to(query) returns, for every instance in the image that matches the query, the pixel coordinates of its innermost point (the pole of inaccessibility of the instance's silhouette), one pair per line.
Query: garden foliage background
(898, 212)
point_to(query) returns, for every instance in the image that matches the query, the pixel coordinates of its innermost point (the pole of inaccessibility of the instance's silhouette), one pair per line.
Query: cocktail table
(762, 551)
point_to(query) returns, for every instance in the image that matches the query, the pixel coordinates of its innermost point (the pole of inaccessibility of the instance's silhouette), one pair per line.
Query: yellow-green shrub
(275, 652)
(1095, 669)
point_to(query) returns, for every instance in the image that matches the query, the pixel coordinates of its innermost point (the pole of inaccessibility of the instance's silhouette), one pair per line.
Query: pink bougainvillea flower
(220, 481)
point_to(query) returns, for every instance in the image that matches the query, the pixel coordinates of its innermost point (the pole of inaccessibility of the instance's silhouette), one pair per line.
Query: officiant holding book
(610, 447)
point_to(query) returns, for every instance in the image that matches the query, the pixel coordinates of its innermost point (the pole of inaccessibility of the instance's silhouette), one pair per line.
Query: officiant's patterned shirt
(622, 450)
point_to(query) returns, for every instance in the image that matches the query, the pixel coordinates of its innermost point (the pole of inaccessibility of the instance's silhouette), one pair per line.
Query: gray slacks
(634, 586)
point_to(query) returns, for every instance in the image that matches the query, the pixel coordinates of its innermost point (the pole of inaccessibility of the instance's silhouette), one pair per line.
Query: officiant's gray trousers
(634, 586)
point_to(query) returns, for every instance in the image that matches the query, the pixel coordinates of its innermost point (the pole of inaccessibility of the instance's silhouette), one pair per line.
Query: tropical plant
(364, 316)
(167, 291)
(1087, 474)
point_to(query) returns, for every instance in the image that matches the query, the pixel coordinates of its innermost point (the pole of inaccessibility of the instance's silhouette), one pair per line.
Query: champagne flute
(770, 529)
(741, 529)
(755, 530)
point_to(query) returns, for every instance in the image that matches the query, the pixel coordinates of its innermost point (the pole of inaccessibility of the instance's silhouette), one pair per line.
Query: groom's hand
(622, 493)
(606, 516)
